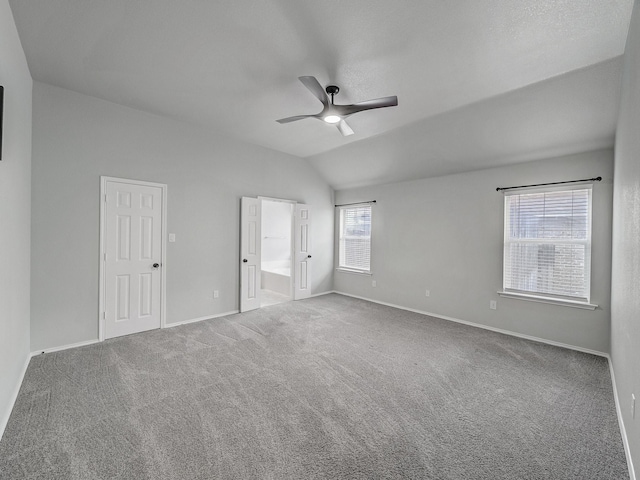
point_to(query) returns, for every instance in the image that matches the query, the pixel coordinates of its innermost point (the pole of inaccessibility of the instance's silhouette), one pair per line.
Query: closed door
(132, 258)
(302, 247)
(250, 253)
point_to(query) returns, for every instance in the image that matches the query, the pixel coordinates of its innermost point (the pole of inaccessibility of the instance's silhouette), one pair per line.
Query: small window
(547, 243)
(355, 238)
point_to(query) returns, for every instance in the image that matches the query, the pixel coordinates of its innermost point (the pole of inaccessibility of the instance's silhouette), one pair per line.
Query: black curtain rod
(356, 203)
(597, 179)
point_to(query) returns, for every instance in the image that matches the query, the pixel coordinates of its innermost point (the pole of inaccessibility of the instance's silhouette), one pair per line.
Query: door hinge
(104, 315)
(105, 198)
(104, 256)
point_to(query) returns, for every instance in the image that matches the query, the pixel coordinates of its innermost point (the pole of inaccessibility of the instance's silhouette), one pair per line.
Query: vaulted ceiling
(480, 83)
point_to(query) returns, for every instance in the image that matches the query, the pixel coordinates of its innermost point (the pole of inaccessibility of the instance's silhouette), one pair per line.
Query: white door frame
(163, 247)
(295, 293)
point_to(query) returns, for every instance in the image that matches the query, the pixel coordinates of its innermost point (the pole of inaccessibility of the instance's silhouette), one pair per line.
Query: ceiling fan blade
(293, 119)
(368, 105)
(344, 128)
(314, 87)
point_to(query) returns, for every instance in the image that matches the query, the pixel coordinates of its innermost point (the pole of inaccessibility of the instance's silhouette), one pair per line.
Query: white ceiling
(567, 114)
(479, 82)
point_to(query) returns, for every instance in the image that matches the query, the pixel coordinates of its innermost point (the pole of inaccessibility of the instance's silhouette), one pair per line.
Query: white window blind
(355, 238)
(547, 243)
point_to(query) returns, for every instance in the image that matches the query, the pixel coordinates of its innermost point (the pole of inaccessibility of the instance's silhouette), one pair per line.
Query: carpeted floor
(331, 387)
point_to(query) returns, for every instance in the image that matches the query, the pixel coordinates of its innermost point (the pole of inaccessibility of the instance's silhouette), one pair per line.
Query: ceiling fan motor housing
(332, 89)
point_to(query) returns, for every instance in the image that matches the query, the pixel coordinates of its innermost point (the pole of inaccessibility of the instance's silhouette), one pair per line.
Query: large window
(547, 243)
(355, 238)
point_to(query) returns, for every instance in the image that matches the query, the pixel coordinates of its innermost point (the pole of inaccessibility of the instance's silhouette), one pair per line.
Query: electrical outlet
(172, 237)
(493, 305)
(427, 293)
(216, 294)
(633, 406)
(373, 283)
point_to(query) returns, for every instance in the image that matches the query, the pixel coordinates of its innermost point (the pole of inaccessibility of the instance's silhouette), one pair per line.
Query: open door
(250, 253)
(302, 246)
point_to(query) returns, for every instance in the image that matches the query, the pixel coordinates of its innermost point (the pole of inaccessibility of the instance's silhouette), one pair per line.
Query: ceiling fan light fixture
(332, 119)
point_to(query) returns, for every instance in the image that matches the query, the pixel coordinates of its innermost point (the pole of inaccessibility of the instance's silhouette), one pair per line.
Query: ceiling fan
(336, 114)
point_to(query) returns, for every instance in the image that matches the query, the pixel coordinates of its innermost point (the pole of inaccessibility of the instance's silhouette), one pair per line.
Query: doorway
(285, 241)
(277, 251)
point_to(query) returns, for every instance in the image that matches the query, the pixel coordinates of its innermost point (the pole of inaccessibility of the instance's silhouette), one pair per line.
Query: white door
(132, 258)
(250, 253)
(302, 246)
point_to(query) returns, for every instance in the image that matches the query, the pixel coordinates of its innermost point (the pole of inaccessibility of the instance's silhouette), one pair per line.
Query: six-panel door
(133, 250)
(302, 246)
(250, 253)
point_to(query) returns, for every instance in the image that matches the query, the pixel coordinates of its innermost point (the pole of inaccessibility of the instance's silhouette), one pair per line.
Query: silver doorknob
(156, 265)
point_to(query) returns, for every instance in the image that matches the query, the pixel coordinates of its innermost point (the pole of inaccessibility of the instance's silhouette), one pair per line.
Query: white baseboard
(65, 347)
(14, 396)
(623, 431)
(485, 327)
(200, 319)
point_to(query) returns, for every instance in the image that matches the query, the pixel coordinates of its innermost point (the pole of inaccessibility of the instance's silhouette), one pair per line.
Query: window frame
(583, 302)
(340, 236)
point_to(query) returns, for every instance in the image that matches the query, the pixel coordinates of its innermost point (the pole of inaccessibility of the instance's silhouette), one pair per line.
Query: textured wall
(15, 211)
(445, 234)
(625, 282)
(78, 138)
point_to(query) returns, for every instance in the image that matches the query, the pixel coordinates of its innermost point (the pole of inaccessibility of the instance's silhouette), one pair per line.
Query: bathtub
(285, 271)
(276, 278)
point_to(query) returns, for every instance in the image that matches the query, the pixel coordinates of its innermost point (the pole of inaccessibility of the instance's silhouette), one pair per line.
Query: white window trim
(550, 300)
(539, 297)
(352, 270)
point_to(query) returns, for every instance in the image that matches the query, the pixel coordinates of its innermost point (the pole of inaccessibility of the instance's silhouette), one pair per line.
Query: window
(355, 238)
(547, 245)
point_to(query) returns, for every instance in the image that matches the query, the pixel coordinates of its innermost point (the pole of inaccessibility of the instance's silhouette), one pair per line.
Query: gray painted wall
(625, 283)
(15, 212)
(78, 138)
(445, 234)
